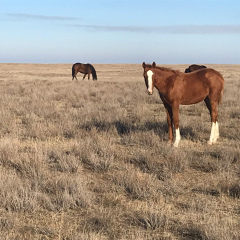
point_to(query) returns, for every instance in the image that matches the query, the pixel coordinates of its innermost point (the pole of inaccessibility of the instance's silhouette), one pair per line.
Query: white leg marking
(216, 133)
(150, 85)
(210, 141)
(178, 137)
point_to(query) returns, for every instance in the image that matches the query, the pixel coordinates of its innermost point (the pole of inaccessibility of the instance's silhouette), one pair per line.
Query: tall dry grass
(90, 159)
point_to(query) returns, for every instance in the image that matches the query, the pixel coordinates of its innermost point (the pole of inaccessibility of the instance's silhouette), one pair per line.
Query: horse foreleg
(84, 76)
(169, 122)
(175, 109)
(88, 76)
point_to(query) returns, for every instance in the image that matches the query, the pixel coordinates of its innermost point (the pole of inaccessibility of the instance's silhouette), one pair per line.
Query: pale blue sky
(120, 31)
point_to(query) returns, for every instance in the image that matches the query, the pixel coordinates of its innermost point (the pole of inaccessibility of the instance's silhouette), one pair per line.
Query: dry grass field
(90, 159)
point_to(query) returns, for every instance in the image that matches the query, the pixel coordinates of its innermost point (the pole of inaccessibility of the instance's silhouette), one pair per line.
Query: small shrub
(138, 185)
(152, 219)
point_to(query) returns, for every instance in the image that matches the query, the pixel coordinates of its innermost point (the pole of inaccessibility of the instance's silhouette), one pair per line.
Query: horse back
(194, 87)
(207, 78)
(207, 74)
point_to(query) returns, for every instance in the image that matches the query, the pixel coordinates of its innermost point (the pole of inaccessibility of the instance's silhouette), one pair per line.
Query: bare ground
(90, 159)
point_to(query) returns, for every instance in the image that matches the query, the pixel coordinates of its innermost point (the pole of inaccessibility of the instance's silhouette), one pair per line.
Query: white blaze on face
(150, 81)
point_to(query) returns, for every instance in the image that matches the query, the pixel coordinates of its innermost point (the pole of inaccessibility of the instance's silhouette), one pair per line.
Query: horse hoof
(175, 144)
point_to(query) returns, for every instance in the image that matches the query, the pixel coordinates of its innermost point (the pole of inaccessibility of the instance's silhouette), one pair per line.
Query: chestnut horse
(177, 88)
(194, 67)
(85, 69)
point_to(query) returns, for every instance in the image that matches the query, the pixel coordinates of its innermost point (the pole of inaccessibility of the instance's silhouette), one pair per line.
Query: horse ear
(153, 64)
(143, 65)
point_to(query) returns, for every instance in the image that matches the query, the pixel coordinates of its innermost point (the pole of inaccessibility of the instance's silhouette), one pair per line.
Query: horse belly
(194, 96)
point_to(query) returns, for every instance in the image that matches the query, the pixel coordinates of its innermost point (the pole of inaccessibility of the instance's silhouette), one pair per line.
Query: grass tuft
(90, 159)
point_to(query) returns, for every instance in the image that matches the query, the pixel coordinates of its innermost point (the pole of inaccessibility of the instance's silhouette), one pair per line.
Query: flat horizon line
(158, 63)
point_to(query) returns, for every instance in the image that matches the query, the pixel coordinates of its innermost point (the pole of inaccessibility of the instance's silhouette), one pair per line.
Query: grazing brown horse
(194, 67)
(177, 88)
(85, 69)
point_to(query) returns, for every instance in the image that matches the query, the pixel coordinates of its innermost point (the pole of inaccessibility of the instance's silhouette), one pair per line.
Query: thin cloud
(173, 29)
(183, 29)
(25, 16)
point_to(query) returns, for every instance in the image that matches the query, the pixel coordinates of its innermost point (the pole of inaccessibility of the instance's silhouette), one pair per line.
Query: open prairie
(90, 159)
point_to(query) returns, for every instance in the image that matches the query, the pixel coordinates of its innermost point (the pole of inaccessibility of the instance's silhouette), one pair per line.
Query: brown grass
(90, 159)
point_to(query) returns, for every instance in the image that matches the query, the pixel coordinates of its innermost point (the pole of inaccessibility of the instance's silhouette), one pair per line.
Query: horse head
(148, 76)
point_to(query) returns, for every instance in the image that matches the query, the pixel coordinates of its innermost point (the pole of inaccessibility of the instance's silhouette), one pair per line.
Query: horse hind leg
(214, 133)
(175, 110)
(212, 107)
(215, 127)
(74, 75)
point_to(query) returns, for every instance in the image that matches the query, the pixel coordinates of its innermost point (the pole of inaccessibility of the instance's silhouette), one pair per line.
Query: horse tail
(94, 74)
(73, 71)
(221, 96)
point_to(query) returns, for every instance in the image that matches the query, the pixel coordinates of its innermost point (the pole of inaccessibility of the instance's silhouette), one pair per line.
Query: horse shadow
(125, 128)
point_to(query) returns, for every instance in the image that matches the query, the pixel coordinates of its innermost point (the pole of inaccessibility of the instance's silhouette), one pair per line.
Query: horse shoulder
(174, 86)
